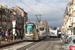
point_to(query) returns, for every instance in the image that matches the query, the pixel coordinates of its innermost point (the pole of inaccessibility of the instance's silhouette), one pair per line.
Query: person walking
(22, 35)
(6, 35)
(15, 35)
(11, 35)
(0, 36)
(3, 34)
(18, 34)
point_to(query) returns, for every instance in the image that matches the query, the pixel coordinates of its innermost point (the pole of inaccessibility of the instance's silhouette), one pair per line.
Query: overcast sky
(52, 11)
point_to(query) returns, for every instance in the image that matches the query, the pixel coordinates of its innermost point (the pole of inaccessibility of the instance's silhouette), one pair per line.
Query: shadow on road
(46, 39)
(52, 39)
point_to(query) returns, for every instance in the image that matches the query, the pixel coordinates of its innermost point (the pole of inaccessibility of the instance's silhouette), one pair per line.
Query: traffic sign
(13, 22)
(13, 25)
(13, 31)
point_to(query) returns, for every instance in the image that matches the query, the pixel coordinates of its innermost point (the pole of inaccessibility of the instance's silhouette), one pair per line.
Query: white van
(53, 33)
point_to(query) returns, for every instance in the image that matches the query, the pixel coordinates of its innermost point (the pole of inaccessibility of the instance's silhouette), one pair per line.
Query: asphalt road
(48, 44)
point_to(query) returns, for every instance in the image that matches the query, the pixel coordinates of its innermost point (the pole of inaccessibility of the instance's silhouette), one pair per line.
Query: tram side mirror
(37, 30)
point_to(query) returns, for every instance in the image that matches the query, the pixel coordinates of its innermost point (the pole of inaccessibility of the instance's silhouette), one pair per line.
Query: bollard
(13, 37)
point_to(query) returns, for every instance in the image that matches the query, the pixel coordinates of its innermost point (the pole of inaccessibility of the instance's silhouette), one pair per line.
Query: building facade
(69, 19)
(9, 14)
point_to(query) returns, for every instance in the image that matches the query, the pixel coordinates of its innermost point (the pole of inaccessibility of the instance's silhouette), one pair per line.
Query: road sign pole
(13, 37)
(13, 23)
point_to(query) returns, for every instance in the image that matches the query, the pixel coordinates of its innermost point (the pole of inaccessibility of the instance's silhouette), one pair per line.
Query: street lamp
(24, 25)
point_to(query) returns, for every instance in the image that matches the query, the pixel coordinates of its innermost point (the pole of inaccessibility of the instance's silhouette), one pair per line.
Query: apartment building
(9, 14)
(69, 19)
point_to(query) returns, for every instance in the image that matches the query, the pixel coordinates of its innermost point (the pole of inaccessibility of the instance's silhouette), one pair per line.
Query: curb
(10, 43)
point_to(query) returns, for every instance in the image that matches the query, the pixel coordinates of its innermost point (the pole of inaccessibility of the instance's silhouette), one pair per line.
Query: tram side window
(26, 29)
(33, 27)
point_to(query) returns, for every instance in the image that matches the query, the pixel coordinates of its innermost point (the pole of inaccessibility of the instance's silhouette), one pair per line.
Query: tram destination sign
(30, 24)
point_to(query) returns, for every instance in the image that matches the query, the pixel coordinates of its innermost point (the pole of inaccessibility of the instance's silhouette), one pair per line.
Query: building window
(5, 20)
(0, 6)
(6, 9)
(0, 23)
(74, 7)
(70, 20)
(9, 25)
(74, 31)
(74, 20)
(0, 16)
(4, 24)
(69, 10)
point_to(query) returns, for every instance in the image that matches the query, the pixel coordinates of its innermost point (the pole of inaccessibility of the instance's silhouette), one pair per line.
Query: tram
(34, 31)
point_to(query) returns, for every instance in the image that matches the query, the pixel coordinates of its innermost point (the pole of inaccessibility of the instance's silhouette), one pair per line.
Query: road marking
(34, 46)
(26, 49)
(5, 49)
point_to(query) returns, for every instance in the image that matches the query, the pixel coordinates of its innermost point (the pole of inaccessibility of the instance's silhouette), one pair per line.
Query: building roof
(66, 10)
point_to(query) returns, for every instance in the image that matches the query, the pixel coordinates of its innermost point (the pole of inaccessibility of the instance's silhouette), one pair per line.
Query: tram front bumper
(29, 38)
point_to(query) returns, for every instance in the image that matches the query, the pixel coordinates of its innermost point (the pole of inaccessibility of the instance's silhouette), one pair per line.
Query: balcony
(69, 14)
(70, 27)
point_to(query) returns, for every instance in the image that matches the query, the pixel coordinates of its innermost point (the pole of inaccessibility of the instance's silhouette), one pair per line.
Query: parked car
(64, 37)
(70, 43)
(59, 34)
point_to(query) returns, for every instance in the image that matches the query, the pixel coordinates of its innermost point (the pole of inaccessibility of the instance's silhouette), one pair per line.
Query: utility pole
(37, 17)
(24, 25)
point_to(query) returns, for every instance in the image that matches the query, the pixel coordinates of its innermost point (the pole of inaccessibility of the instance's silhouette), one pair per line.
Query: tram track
(27, 46)
(22, 45)
(9, 44)
(15, 45)
(47, 43)
(32, 44)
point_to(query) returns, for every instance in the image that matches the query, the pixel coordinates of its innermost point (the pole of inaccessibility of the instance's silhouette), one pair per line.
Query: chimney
(0, 6)
(5, 6)
(9, 8)
(22, 9)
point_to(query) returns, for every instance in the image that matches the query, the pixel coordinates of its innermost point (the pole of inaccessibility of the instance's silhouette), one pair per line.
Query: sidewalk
(3, 43)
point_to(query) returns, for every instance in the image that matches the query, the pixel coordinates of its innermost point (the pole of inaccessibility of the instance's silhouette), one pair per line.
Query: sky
(50, 10)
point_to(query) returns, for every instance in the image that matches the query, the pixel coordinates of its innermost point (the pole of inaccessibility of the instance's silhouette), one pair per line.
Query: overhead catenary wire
(31, 9)
(57, 5)
(28, 6)
(37, 2)
(50, 5)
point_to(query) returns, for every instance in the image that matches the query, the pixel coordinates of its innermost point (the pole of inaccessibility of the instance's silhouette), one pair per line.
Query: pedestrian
(22, 35)
(0, 36)
(15, 35)
(11, 35)
(6, 35)
(3, 34)
(18, 34)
